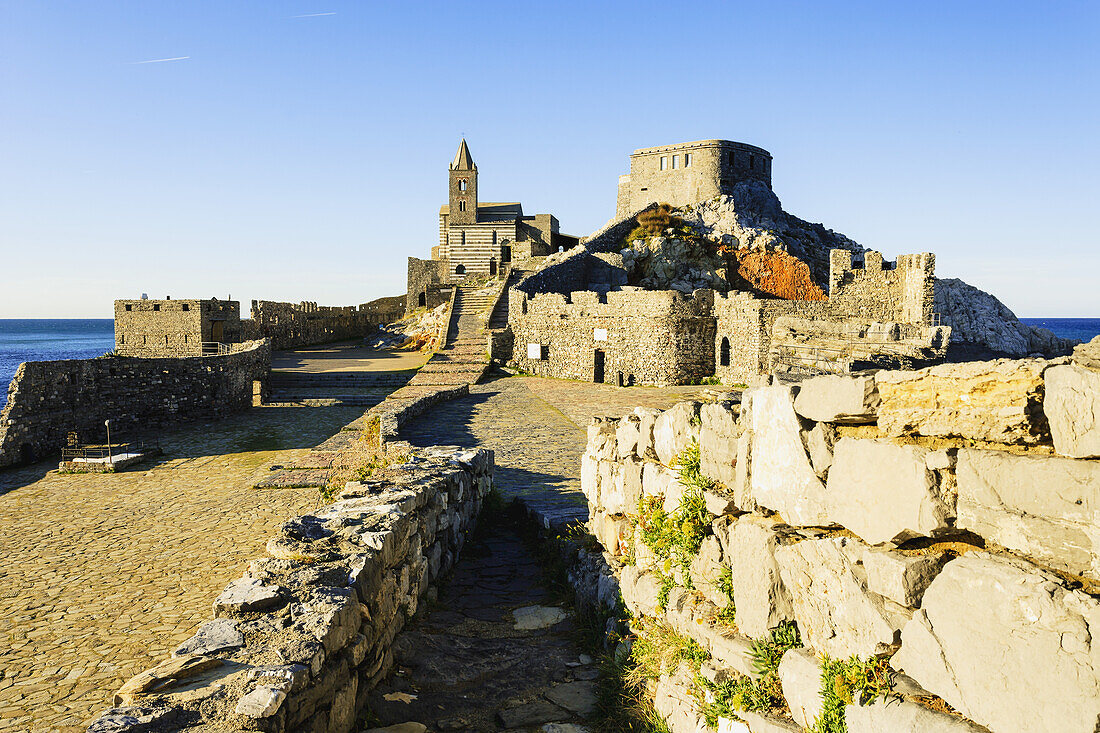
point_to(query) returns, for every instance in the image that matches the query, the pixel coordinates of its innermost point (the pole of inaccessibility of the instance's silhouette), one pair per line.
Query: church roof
(463, 160)
(493, 210)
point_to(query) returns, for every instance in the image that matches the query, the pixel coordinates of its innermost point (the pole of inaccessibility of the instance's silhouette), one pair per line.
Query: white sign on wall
(534, 351)
(599, 334)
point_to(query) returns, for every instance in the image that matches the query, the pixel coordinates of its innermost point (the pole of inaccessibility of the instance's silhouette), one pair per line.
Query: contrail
(157, 61)
(311, 15)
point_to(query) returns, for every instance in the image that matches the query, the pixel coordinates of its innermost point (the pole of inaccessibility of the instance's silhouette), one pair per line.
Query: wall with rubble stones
(290, 325)
(944, 521)
(298, 641)
(49, 399)
(642, 337)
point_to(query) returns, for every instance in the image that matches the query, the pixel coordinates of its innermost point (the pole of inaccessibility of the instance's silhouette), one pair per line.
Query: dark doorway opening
(724, 352)
(422, 300)
(492, 267)
(217, 331)
(26, 453)
(597, 367)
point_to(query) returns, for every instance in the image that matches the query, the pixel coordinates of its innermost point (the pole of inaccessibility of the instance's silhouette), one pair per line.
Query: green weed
(844, 682)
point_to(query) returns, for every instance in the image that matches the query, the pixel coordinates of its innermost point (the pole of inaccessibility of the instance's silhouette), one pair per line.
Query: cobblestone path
(494, 651)
(101, 576)
(537, 427)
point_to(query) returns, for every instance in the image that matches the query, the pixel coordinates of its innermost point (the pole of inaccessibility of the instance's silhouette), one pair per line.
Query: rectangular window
(676, 161)
(156, 306)
(129, 307)
(752, 162)
(186, 307)
(687, 160)
(664, 162)
(733, 159)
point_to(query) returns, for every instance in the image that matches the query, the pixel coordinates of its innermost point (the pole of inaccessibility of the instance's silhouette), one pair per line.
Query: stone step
(364, 380)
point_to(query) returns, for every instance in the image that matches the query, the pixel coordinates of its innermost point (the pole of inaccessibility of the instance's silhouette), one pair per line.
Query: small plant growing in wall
(762, 694)
(844, 682)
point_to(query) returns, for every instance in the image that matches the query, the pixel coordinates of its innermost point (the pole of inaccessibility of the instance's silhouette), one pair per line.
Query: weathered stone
(718, 434)
(332, 616)
(590, 479)
(245, 595)
(706, 572)
(537, 617)
(410, 727)
(674, 429)
(832, 398)
(999, 401)
(800, 676)
(647, 418)
(576, 697)
(603, 444)
(836, 613)
(729, 725)
(212, 637)
(761, 599)
(758, 723)
(1088, 354)
(611, 531)
(163, 676)
(1072, 406)
(742, 480)
(622, 496)
(901, 578)
(627, 434)
(782, 479)
(674, 701)
(695, 621)
(341, 714)
(819, 443)
(262, 702)
(564, 728)
(1047, 508)
(1008, 646)
(885, 492)
(718, 501)
(532, 713)
(893, 716)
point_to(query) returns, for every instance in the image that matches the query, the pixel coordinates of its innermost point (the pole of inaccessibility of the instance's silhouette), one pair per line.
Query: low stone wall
(912, 550)
(49, 399)
(299, 640)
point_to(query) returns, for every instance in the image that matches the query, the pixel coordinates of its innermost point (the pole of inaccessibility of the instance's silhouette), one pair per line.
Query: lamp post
(110, 458)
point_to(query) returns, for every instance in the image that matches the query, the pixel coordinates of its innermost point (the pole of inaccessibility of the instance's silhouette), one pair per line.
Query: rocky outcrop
(979, 318)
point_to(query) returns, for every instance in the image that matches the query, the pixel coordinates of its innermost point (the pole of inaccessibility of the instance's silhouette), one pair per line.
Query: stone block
(885, 492)
(262, 702)
(603, 444)
(212, 637)
(627, 434)
(761, 599)
(782, 478)
(640, 591)
(706, 571)
(758, 723)
(849, 400)
(1044, 507)
(693, 619)
(836, 613)
(675, 702)
(246, 595)
(819, 444)
(625, 490)
(901, 578)
(800, 676)
(1072, 406)
(742, 478)
(894, 716)
(611, 530)
(655, 478)
(647, 418)
(718, 434)
(674, 430)
(1008, 646)
(1087, 355)
(590, 479)
(998, 401)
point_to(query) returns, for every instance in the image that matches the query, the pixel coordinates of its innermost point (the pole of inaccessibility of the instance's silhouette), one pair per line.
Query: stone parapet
(917, 523)
(299, 640)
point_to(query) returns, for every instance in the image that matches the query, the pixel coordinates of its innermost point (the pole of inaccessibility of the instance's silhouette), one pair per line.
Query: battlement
(686, 173)
(903, 290)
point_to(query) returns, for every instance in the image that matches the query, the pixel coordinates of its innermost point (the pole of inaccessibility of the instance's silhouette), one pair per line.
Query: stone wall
(299, 640)
(290, 325)
(937, 527)
(428, 283)
(49, 399)
(154, 328)
(667, 174)
(642, 337)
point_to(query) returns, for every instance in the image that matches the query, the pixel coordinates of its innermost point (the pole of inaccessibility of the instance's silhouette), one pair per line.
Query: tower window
(494, 237)
(687, 160)
(675, 162)
(664, 162)
(733, 159)
(461, 184)
(156, 306)
(463, 239)
(461, 205)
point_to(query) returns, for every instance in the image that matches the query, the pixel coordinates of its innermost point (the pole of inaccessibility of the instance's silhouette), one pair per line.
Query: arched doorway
(460, 270)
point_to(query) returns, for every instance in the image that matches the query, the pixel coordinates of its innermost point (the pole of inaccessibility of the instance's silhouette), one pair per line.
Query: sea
(37, 339)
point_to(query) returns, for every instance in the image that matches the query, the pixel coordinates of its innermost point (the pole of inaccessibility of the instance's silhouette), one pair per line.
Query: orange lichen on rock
(777, 273)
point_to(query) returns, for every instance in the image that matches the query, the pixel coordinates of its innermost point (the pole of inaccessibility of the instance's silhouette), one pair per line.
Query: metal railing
(206, 348)
(96, 453)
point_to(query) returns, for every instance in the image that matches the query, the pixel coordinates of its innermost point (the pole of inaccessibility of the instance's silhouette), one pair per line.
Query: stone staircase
(464, 358)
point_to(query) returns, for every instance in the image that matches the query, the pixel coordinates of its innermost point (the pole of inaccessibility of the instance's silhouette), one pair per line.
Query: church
(480, 238)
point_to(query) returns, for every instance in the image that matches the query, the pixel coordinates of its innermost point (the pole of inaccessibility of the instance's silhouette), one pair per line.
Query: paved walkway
(102, 575)
(346, 357)
(537, 427)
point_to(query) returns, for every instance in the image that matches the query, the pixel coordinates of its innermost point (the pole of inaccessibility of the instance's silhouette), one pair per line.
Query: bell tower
(462, 188)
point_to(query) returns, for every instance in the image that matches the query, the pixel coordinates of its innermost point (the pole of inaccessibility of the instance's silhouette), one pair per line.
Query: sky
(298, 150)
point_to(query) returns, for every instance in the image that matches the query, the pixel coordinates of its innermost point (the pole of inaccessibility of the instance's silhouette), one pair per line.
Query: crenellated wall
(290, 325)
(49, 399)
(925, 535)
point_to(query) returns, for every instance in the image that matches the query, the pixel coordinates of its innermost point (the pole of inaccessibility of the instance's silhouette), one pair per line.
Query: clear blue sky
(304, 158)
